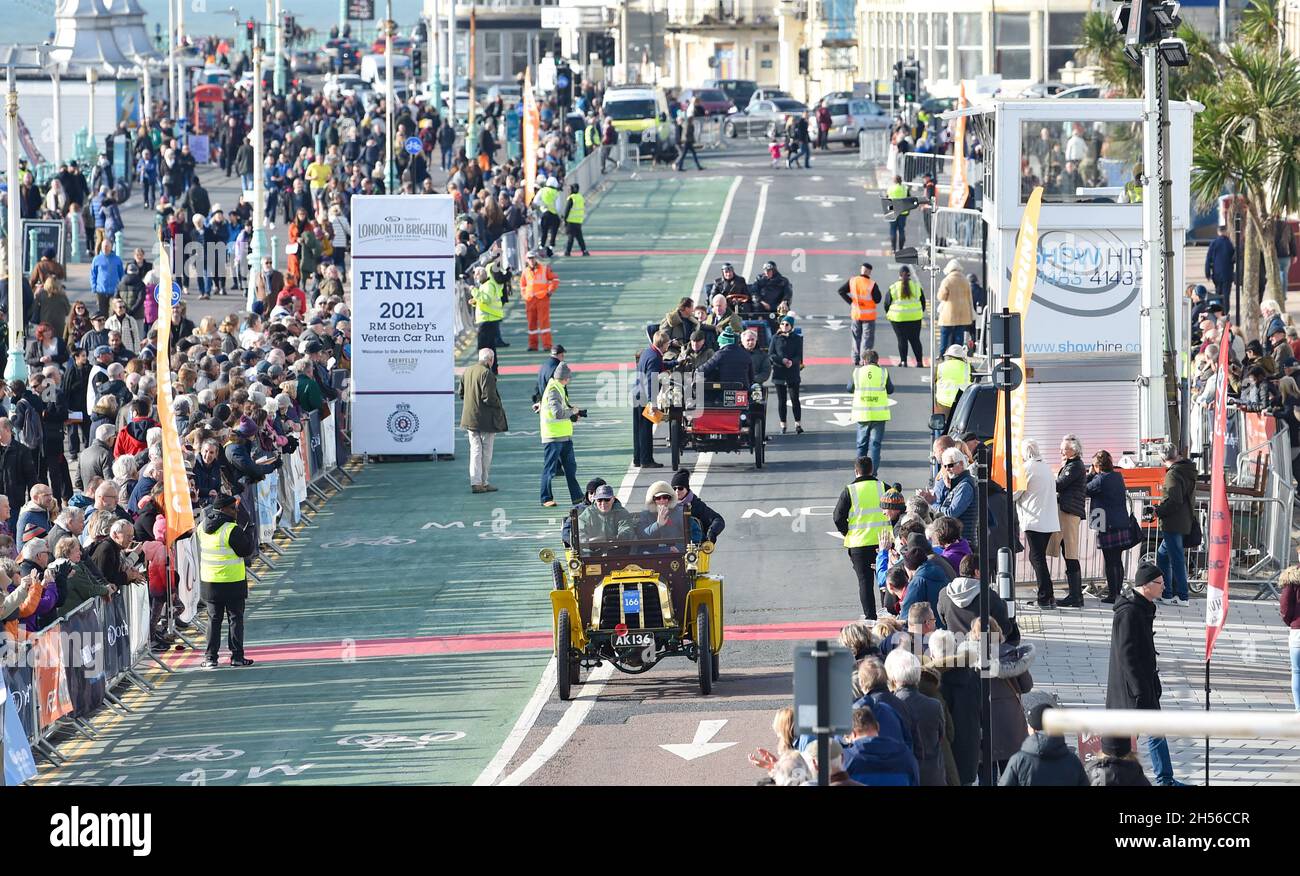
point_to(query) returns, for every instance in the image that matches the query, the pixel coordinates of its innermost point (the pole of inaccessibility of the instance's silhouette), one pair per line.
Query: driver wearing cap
(771, 289)
(605, 520)
(731, 285)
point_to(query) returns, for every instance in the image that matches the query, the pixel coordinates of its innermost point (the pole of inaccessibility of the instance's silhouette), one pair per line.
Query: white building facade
(1023, 41)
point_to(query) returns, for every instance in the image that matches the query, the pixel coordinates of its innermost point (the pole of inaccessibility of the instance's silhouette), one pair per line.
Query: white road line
(717, 238)
(527, 718)
(569, 723)
(753, 235)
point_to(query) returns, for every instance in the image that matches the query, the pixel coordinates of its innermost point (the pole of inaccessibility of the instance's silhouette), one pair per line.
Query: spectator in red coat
(134, 438)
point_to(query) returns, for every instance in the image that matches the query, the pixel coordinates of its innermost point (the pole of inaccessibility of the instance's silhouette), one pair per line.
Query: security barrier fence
(957, 232)
(1261, 500)
(60, 676)
(873, 147)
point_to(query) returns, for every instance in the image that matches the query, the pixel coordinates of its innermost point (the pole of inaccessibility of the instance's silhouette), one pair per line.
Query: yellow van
(638, 109)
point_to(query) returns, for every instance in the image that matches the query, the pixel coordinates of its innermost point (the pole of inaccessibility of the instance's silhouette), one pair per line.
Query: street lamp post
(279, 48)
(171, 57)
(148, 93)
(435, 58)
(390, 181)
(17, 367)
(258, 247)
(451, 55)
(56, 79)
(92, 76)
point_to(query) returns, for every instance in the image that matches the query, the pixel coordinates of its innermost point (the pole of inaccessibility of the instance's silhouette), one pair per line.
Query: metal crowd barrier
(873, 147)
(708, 132)
(62, 674)
(957, 232)
(917, 164)
(1261, 499)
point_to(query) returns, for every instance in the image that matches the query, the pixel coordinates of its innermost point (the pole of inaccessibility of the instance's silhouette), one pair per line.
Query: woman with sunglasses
(664, 519)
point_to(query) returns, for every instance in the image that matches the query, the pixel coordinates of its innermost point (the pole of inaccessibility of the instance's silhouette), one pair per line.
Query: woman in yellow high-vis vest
(905, 309)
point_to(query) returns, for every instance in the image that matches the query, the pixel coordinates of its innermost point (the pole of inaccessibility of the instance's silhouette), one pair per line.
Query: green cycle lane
(383, 638)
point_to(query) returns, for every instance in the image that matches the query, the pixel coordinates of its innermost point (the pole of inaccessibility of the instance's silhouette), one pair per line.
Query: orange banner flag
(176, 485)
(531, 127)
(1024, 273)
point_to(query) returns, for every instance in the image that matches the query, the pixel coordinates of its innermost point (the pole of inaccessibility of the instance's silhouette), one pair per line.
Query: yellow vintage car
(633, 603)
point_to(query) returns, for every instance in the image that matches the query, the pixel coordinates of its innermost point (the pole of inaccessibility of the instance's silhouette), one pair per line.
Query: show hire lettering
(105, 829)
(402, 281)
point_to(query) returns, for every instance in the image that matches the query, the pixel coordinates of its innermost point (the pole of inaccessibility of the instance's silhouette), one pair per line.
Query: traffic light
(417, 62)
(911, 81)
(251, 29)
(603, 48)
(563, 83)
(803, 61)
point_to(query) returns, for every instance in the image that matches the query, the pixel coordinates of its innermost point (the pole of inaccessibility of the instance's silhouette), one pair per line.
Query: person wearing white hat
(547, 203)
(952, 376)
(956, 311)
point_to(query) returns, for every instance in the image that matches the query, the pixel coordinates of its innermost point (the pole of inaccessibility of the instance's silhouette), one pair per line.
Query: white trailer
(1094, 335)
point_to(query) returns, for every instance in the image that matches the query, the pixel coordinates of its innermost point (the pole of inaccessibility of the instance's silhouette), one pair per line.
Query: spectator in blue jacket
(954, 491)
(648, 367)
(928, 578)
(1220, 263)
(877, 760)
(106, 272)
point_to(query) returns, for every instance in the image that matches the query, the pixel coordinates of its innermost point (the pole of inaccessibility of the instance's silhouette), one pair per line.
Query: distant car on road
(1043, 89)
(304, 63)
(849, 118)
(713, 101)
(764, 117)
(1087, 91)
(401, 45)
(342, 85)
(768, 94)
(738, 91)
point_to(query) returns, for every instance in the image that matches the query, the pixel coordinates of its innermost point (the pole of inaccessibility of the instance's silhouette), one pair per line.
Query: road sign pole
(823, 657)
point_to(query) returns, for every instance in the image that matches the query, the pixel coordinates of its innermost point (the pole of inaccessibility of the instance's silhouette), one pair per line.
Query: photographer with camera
(557, 417)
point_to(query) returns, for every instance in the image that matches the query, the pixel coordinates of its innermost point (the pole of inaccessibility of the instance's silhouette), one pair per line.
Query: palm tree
(1249, 137)
(1102, 46)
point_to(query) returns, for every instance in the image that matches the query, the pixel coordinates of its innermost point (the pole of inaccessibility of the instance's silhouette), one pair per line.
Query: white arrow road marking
(700, 745)
(842, 418)
(815, 178)
(830, 278)
(834, 324)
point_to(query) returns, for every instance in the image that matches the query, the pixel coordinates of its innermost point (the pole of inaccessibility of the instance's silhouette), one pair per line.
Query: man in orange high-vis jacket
(862, 295)
(538, 282)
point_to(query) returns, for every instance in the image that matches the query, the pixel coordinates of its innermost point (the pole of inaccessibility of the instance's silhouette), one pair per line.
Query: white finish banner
(403, 324)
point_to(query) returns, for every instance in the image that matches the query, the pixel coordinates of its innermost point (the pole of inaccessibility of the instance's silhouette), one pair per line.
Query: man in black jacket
(731, 364)
(17, 469)
(224, 545)
(772, 288)
(710, 521)
(239, 454)
(1133, 678)
(1043, 760)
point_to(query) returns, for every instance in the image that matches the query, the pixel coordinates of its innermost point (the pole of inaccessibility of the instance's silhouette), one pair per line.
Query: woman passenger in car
(664, 519)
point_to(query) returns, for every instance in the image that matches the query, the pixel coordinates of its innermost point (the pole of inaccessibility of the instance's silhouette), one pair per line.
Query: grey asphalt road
(781, 561)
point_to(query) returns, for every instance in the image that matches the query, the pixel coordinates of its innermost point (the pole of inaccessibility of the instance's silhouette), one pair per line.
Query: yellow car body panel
(567, 598)
(707, 591)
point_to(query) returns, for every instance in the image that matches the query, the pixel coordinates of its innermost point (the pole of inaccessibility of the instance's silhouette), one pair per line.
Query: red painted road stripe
(637, 253)
(486, 643)
(887, 361)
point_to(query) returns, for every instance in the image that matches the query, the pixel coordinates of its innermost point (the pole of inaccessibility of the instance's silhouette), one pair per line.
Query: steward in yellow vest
(952, 376)
(859, 517)
(224, 545)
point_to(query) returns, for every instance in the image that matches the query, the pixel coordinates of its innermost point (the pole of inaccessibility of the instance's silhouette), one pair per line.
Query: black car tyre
(563, 671)
(704, 660)
(760, 446)
(557, 574)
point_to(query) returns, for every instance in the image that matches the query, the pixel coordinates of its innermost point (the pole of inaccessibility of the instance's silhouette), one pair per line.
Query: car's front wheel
(705, 653)
(563, 663)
